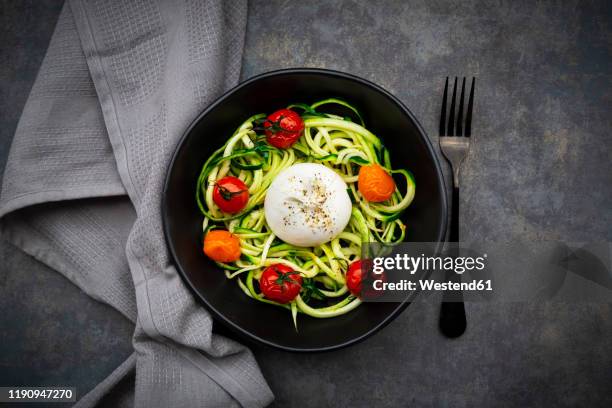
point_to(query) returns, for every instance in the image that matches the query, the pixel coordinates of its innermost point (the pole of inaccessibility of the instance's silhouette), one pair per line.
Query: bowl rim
(218, 101)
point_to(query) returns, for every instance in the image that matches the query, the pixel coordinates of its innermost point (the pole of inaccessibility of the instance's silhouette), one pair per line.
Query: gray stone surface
(540, 168)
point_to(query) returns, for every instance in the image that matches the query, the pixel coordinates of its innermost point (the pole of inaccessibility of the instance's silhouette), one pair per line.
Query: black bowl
(384, 115)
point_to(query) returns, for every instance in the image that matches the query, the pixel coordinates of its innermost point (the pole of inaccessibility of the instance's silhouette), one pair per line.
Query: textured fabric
(120, 83)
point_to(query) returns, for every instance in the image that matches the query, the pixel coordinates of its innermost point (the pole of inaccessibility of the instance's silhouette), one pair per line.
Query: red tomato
(283, 128)
(230, 194)
(357, 273)
(280, 283)
(353, 278)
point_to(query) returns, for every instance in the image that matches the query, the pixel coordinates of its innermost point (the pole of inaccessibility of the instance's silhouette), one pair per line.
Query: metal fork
(455, 143)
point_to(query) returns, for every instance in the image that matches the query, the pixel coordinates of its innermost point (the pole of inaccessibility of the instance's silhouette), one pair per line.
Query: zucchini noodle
(336, 142)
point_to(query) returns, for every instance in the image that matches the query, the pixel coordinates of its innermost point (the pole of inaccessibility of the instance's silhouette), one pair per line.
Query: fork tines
(448, 128)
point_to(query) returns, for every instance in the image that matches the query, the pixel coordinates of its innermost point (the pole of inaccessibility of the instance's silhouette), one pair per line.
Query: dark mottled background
(540, 168)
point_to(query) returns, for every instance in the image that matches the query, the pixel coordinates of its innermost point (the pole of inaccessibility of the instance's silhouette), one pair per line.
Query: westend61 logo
(392, 272)
(411, 264)
(488, 271)
(401, 272)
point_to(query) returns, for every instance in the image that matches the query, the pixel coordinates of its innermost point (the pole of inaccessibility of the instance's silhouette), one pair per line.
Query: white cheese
(307, 204)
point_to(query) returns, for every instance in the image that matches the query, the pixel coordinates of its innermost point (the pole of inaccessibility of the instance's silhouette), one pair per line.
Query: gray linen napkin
(81, 192)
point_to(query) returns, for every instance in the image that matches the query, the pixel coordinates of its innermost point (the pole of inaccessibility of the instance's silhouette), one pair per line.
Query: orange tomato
(222, 246)
(375, 184)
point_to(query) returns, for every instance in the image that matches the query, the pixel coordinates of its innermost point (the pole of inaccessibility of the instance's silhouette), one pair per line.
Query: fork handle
(452, 313)
(454, 224)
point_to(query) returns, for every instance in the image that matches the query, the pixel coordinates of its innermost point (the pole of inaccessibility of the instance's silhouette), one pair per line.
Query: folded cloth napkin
(119, 84)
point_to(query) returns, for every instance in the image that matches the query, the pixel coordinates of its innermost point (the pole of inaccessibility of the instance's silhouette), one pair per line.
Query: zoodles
(336, 142)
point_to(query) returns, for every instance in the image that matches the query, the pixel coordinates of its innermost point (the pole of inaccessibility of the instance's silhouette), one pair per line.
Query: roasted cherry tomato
(283, 128)
(230, 194)
(357, 273)
(375, 184)
(222, 246)
(280, 283)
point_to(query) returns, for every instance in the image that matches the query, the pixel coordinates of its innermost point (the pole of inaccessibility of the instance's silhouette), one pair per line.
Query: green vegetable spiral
(336, 142)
